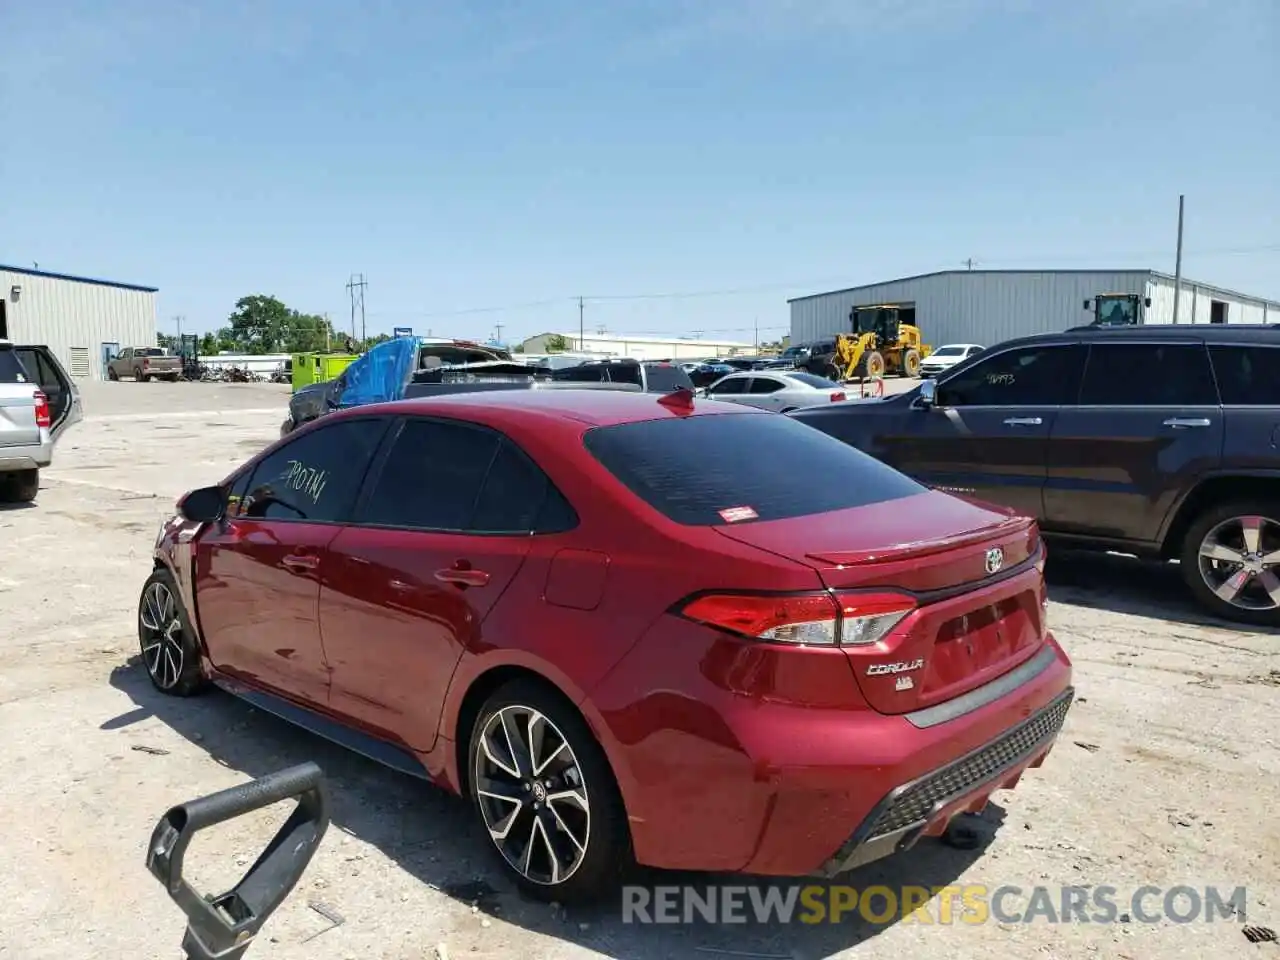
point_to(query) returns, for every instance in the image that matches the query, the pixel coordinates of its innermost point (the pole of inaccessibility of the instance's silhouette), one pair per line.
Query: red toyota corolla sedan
(626, 628)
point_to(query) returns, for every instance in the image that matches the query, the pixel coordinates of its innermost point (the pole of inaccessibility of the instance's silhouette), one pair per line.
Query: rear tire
(20, 486)
(562, 835)
(1224, 561)
(111, 374)
(170, 654)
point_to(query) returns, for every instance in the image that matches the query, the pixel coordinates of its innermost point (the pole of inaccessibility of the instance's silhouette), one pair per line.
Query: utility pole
(498, 336)
(582, 333)
(1177, 270)
(756, 337)
(970, 263)
(328, 329)
(178, 319)
(355, 287)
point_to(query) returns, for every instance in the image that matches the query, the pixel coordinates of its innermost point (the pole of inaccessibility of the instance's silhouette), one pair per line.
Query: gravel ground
(1166, 773)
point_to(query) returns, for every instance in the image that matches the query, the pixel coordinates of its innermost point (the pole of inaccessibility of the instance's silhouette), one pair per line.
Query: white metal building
(80, 319)
(640, 348)
(990, 306)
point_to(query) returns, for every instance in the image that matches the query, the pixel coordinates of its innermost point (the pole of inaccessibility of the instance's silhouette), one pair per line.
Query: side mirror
(928, 393)
(205, 505)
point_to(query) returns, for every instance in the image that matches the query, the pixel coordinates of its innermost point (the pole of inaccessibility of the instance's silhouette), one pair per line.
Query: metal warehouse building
(989, 306)
(81, 320)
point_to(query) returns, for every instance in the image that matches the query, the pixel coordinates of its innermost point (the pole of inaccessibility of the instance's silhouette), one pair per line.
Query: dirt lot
(1167, 773)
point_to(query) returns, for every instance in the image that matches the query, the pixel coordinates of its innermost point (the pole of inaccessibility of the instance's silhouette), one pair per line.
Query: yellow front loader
(880, 344)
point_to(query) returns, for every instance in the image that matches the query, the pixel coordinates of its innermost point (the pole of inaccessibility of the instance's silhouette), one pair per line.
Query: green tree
(263, 324)
(557, 343)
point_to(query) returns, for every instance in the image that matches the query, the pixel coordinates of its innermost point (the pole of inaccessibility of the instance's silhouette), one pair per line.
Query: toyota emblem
(995, 560)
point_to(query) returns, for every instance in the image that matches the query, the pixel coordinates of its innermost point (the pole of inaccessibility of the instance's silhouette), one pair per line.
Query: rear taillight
(838, 396)
(806, 619)
(146, 361)
(43, 417)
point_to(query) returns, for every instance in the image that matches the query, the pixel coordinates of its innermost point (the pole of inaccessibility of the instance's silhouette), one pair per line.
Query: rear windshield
(694, 469)
(10, 368)
(149, 352)
(948, 351)
(663, 378)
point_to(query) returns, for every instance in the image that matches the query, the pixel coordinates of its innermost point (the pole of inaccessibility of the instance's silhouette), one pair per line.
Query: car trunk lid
(975, 571)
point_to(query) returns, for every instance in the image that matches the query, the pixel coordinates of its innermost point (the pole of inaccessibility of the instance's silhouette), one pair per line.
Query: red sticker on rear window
(735, 514)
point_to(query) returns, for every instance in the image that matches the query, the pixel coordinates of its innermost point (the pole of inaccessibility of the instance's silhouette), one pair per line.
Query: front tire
(546, 796)
(169, 651)
(1230, 559)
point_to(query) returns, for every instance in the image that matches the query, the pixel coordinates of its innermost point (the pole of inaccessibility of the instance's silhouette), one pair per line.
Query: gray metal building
(990, 306)
(82, 320)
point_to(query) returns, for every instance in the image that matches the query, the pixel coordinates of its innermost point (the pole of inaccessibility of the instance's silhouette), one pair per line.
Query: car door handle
(1182, 423)
(1023, 422)
(300, 563)
(463, 578)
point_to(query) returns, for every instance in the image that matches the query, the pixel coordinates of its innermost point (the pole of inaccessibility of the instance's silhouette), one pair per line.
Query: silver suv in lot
(38, 401)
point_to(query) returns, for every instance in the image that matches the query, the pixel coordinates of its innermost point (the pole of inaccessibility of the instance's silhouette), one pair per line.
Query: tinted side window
(11, 370)
(663, 378)
(583, 374)
(736, 385)
(1032, 376)
(432, 476)
(764, 385)
(1148, 374)
(316, 476)
(36, 363)
(1248, 376)
(518, 498)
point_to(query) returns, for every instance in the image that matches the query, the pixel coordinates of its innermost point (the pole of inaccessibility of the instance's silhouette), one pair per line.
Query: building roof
(1187, 282)
(28, 271)
(624, 338)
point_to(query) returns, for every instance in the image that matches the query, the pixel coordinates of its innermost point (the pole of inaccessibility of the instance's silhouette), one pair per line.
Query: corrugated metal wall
(74, 318)
(1196, 304)
(973, 306)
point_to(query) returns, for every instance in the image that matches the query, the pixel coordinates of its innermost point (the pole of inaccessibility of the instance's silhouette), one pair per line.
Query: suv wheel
(168, 644)
(1231, 561)
(546, 796)
(20, 486)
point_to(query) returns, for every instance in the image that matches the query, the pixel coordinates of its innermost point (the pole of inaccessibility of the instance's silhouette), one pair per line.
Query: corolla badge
(887, 669)
(995, 560)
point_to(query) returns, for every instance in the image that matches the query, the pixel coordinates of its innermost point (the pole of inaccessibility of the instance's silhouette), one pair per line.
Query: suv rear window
(11, 370)
(692, 468)
(665, 377)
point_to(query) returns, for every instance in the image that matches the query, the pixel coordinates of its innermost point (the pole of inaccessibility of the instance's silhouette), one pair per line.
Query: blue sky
(468, 156)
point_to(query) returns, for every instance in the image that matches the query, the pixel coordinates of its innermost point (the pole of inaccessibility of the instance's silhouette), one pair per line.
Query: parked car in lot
(599, 615)
(783, 391)
(143, 364)
(947, 356)
(1154, 440)
(38, 401)
(651, 376)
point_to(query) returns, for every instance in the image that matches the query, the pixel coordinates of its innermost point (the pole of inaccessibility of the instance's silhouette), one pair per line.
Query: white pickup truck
(38, 401)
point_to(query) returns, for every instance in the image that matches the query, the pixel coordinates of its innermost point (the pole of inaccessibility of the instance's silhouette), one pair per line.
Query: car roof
(596, 408)
(1202, 332)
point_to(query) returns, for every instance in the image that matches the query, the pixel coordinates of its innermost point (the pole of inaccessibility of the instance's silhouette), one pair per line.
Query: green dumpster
(309, 368)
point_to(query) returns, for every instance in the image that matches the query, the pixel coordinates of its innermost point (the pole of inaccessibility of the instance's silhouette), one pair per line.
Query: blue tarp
(380, 375)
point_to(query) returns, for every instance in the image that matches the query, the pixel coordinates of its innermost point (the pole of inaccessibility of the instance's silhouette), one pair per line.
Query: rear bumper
(726, 771)
(35, 456)
(924, 806)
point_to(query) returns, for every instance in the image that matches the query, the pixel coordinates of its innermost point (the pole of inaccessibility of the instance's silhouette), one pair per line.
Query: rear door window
(1148, 375)
(454, 477)
(701, 470)
(765, 385)
(315, 476)
(1247, 376)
